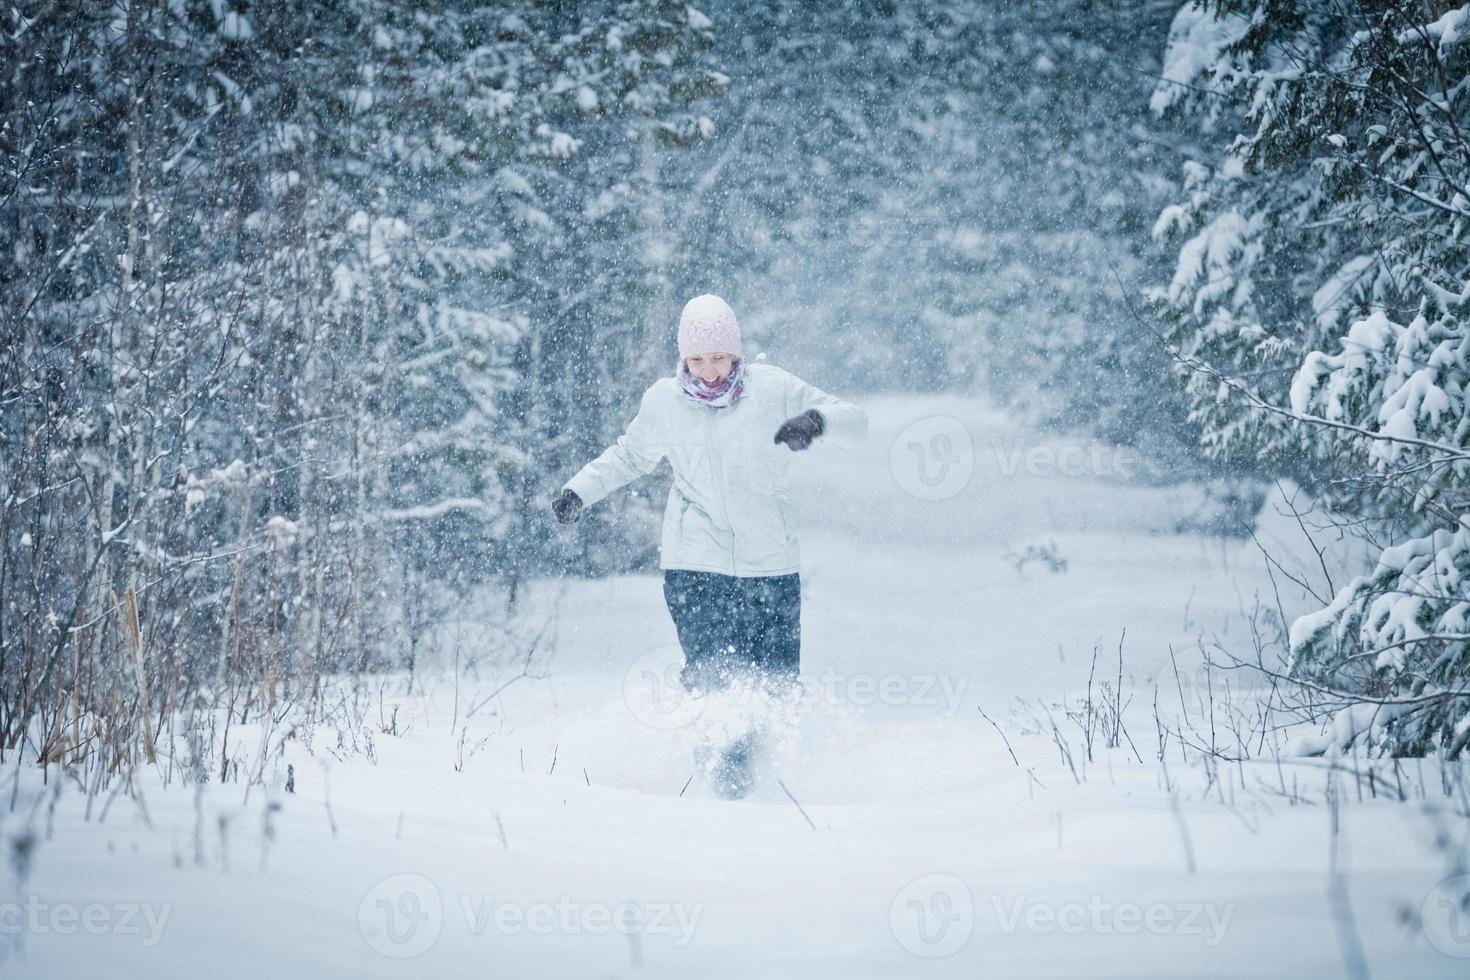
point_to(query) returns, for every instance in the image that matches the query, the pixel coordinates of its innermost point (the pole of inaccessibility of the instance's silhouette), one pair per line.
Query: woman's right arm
(635, 454)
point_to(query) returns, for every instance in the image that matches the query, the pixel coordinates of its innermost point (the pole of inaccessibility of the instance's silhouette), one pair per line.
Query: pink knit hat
(708, 326)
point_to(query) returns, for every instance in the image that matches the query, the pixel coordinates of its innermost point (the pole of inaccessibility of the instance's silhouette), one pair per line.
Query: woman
(729, 551)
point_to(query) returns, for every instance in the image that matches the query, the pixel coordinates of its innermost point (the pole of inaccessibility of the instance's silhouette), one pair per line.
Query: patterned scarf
(722, 394)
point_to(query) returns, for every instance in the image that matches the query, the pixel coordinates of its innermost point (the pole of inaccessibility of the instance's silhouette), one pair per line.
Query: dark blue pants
(729, 625)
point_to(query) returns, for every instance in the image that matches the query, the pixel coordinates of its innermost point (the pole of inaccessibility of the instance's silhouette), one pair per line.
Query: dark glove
(798, 432)
(567, 507)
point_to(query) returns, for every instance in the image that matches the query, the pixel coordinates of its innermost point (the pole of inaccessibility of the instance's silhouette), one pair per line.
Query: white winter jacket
(729, 508)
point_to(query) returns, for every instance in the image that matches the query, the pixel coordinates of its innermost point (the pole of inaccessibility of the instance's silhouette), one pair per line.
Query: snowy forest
(309, 311)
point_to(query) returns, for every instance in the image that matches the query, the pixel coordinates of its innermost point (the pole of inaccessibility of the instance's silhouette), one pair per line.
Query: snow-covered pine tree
(948, 187)
(121, 332)
(1320, 302)
(627, 84)
(271, 271)
(1039, 174)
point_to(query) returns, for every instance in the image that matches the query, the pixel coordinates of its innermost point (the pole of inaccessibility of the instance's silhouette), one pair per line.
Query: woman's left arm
(843, 423)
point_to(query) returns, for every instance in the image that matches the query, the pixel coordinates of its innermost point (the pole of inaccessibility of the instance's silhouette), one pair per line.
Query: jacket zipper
(709, 427)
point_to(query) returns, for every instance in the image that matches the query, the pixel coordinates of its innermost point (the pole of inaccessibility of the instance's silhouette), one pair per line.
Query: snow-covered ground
(553, 829)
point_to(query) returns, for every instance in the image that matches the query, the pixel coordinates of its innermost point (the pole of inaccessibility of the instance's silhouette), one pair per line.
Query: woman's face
(710, 368)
